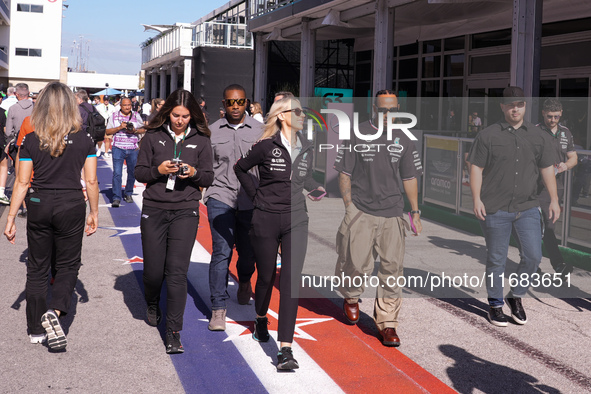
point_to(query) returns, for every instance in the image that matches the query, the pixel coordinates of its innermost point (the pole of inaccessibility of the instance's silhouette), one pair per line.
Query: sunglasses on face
(519, 104)
(296, 111)
(231, 102)
(551, 117)
(384, 109)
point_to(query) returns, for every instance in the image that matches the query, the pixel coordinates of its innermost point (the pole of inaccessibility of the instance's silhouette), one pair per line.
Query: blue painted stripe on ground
(208, 364)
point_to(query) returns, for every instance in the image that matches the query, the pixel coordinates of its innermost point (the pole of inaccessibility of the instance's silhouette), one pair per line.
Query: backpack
(95, 125)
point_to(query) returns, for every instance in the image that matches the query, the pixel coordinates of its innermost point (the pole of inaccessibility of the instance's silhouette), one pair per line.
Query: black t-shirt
(374, 166)
(61, 172)
(2, 125)
(511, 160)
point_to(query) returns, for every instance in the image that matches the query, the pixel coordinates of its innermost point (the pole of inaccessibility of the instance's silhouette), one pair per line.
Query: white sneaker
(98, 152)
(38, 338)
(4, 200)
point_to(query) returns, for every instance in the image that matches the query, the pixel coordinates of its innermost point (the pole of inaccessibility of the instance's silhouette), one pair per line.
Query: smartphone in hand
(316, 194)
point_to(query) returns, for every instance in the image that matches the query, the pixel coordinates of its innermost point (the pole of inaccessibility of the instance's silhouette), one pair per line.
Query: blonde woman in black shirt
(284, 159)
(57, 151)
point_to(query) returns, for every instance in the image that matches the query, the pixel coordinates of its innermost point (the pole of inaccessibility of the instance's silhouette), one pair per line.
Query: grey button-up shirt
(228, 146)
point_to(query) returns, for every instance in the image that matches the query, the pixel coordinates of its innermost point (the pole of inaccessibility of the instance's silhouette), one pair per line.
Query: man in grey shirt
(228, 208)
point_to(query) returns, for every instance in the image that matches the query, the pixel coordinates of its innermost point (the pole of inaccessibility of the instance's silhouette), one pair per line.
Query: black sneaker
(517, 312)
(115, 203)
(261, 333)
(56, 339)
(173, 342)
(128, 199)
(154, 315)
(22, 213)
(497, 317)
(564, 269)
(285, 360)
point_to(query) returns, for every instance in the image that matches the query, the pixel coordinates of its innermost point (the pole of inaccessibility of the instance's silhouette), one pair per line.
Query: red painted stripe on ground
(351, 355)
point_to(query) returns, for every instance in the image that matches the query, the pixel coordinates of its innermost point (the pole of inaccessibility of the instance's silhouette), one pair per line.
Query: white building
(30, 42)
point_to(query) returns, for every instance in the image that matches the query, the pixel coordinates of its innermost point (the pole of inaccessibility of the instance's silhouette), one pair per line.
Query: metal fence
(226, 35)
(260, 7)
(446, 182)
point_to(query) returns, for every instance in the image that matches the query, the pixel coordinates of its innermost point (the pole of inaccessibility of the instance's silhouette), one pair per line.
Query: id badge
(170, 182)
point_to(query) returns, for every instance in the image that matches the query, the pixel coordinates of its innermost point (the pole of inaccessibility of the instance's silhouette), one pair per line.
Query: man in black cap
(506, 160)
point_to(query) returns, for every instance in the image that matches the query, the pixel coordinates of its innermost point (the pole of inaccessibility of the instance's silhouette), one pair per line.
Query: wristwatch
(413, 212)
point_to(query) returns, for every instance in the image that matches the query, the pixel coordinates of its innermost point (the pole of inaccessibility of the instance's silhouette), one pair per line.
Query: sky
(112, 30)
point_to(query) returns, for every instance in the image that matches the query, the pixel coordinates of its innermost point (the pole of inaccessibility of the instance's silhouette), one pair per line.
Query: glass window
(431, 66)
(432, 46)
(454, 65)
(23, 7)
(408, 68)
(576, 54)
(454, 43)
(22, 52)
(363, 56)
(410, 49)
(35, 52)
(491, 39)
(565, 27)
(490, 64)
(36, 8)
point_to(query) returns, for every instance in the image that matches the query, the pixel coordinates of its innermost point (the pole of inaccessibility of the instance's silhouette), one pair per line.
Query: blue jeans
(229, 227)
(497, 233)
(130, 156)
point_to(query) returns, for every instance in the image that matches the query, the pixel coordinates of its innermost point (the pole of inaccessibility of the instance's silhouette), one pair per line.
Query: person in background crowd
(506, 160)
(229, 209)
(10, 99)
(175, 162)
(135, 105)
(156, 105)
(565, 159)
(280, 95)
(3, 156)
(257, 111)
(19, 111)
(106, 109)
(125, 126)
(57, 151)
(146, 110)
(374, 224)
(280, 215)
(203, 106)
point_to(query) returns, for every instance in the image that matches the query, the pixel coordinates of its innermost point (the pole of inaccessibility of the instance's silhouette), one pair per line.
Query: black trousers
(267, 231)
(55, 227)
(168, 237)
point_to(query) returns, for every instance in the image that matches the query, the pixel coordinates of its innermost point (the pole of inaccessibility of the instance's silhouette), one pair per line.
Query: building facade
(25, 55)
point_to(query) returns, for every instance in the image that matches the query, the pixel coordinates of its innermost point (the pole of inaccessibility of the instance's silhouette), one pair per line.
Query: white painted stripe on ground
(261, 357)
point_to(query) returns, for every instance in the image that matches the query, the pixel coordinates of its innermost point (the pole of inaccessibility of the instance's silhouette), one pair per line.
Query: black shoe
(173, 342)
(128, 199)
(497, 317)
(154, 315)
(517, 312)
(285, 360)
(115, 203)
(22, 213)
(564, 269)
(56, 339)
(261, 333)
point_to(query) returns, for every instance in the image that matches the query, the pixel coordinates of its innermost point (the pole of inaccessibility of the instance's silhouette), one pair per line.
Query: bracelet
(194, 174)
(413, 212)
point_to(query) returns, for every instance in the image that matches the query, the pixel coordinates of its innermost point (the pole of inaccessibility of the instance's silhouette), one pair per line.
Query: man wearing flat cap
(506, 160)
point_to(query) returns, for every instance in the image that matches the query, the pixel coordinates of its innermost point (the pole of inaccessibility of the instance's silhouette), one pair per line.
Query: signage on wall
(333, 95)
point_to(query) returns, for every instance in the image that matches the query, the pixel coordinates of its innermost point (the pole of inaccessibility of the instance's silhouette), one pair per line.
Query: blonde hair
(273, 124)
(256, 108)
(54, 116)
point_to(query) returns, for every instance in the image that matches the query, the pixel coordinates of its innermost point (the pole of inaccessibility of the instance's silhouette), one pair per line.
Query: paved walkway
(447, 343)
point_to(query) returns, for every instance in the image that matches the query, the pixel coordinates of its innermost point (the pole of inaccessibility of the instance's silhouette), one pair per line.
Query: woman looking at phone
(175, 161)
(284, 159)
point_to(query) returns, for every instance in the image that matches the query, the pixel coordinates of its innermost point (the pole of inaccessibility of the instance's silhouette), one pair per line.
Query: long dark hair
(186, 99)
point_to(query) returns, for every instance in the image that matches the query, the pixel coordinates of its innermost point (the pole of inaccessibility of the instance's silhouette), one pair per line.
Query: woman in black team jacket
(284, 160)
(170, 212)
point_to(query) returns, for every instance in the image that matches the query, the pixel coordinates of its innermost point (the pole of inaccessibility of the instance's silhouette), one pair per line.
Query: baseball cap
(512, 94)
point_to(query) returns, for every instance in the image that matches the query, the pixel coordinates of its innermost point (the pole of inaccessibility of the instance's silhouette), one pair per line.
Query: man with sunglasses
(566, 159)
(506, 160)
(228, 207)
(374, 223)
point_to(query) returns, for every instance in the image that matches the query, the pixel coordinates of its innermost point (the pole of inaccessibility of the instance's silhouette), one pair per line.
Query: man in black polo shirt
(373, 224)
(506, 160)
(566, 159)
